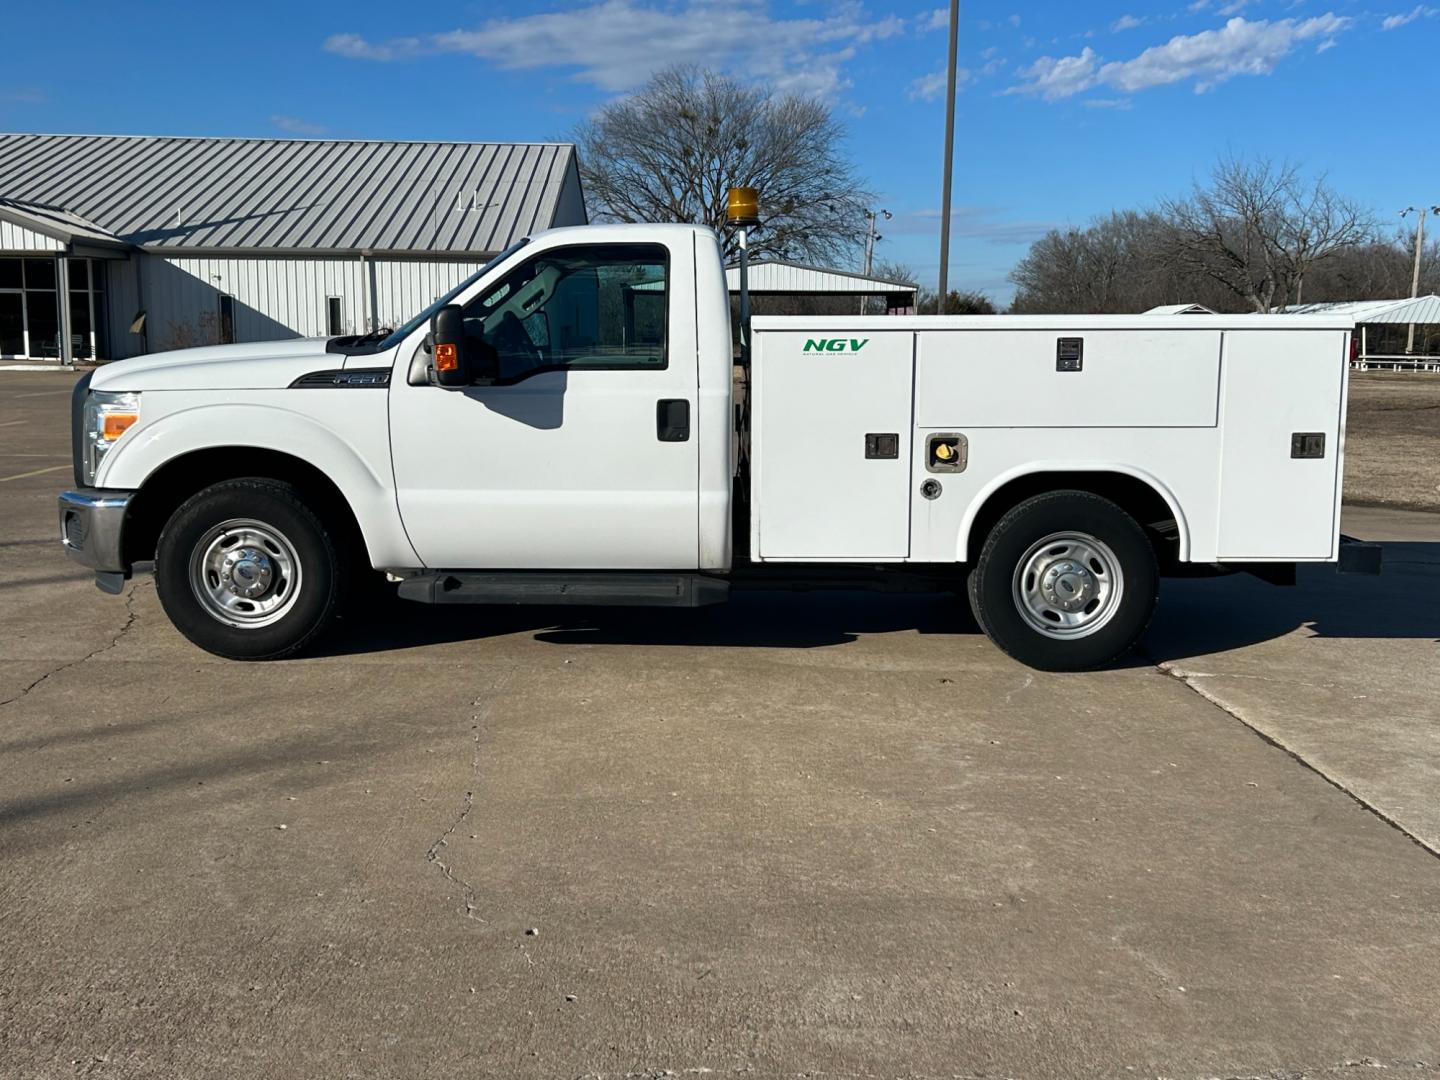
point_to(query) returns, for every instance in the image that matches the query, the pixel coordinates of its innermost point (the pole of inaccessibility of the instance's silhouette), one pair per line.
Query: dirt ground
(1392, 443)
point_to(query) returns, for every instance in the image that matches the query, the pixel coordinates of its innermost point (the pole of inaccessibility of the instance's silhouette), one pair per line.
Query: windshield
(397, 336)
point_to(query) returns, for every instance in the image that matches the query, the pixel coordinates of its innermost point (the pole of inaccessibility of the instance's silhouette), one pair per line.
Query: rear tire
(247, 571)
(1066, 581)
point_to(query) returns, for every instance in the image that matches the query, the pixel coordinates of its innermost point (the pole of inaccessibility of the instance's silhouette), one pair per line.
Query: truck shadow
(750, 620)
(1201, 617)
(1195, 618)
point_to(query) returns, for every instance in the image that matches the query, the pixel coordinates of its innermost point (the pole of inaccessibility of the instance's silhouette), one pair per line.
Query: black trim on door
(672, 420)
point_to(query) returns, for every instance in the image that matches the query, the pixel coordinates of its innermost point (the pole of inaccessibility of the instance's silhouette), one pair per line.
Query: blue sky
(1067, 110)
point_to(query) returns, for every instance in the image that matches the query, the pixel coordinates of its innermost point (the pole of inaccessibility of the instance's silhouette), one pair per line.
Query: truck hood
(255, 365)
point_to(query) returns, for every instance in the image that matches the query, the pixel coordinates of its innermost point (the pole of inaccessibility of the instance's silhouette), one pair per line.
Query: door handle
(672, 420)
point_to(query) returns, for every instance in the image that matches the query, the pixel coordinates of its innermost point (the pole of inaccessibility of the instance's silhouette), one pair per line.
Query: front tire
(247, 571)
(1066, 581)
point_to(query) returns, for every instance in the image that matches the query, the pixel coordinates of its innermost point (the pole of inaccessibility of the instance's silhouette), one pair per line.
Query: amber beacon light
(742, 206)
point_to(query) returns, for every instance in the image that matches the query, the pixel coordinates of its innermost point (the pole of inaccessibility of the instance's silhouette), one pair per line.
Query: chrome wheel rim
(1068, 585)
(245, 573)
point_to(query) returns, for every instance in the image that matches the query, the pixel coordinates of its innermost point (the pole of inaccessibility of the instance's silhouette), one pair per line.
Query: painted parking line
(37, 472)
(36, 393)
(12, 423)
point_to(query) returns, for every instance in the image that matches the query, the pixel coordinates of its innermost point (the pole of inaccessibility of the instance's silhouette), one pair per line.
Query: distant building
(1180, 309)
(1398, 334)
(116, 245)
(789, 280)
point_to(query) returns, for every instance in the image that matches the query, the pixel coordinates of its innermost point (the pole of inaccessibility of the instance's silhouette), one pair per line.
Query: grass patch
(1392, 441)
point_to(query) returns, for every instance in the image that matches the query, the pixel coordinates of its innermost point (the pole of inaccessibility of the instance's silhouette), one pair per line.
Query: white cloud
(617, 44)
(1234, 7)
(1420, 11)
(1106, 103)
(939, 19)
(986, 223)
(1014, 20)
(1054, 79)
(1126, 22)
(1240, 47)
(296, 126)
(932, 86)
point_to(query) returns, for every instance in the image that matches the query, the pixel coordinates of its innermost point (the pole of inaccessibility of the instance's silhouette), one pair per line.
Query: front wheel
(1066, 581)
(247, 571)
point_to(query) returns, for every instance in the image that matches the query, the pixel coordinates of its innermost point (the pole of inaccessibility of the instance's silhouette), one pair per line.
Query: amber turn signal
(116, 424)
(447, 357)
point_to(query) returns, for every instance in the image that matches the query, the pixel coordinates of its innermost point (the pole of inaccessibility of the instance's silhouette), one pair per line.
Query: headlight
(107, 416)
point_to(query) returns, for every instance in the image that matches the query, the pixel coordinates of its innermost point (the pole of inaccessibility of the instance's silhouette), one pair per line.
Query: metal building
(117, 245)
(776, 277)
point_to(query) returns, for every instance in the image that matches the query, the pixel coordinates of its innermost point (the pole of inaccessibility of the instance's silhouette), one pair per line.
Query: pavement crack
(1190, 681)
(130, 616)
(467, 806)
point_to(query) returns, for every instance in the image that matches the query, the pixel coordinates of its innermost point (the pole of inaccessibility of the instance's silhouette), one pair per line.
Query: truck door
(580, 455)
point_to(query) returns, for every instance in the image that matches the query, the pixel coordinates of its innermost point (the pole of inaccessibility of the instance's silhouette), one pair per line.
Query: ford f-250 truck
(562, 428)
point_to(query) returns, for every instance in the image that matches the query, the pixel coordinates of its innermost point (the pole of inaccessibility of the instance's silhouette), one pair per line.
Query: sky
(1065, 110)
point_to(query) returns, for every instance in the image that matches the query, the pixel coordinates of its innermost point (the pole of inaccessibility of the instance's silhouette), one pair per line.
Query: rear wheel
(246, 570)
(1065, 582)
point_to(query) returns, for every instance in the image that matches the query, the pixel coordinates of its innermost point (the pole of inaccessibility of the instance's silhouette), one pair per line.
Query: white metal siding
(18, 238)
(404, 287)
(275, 298)
(782, 277)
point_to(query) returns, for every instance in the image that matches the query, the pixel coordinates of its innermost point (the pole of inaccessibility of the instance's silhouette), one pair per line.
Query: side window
(596, 306)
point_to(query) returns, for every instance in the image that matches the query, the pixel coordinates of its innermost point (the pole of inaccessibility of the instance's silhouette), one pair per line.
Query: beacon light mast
(742, 210)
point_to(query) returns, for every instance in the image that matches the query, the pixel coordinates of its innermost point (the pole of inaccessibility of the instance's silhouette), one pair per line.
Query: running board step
(597, 589)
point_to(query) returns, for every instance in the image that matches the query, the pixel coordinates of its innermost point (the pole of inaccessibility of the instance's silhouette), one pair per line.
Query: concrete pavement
(827, 835)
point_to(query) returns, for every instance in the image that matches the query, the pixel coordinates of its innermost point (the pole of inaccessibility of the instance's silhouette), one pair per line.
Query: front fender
(1036, 467)
(358, 464)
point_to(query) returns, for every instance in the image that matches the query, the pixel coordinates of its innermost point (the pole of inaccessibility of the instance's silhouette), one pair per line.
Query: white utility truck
(563, 428)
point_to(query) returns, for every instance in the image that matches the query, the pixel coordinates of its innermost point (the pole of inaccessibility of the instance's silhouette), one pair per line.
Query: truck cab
(562, 428)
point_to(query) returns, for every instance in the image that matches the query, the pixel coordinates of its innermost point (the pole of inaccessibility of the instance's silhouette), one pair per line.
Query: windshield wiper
(358, 343)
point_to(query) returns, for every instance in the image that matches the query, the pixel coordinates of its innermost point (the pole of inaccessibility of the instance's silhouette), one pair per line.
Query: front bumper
(92, 526)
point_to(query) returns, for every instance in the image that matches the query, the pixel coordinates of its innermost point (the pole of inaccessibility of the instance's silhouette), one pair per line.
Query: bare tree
(1115, 264)
(671, 151)
(1258, 228)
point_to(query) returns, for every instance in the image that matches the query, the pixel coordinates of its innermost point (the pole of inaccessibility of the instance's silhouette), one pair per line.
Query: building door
(580, 454)
(12, 323)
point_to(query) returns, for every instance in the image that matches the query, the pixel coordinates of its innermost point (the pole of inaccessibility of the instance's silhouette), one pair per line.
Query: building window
(227, 319)
(30, 291)
(333, 327)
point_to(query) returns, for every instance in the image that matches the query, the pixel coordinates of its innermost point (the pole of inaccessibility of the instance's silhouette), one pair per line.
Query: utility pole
(1419, 212)
(871, 237)
(949, 155)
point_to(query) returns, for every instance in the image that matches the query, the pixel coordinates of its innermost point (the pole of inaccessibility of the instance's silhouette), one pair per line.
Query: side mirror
(447, 348)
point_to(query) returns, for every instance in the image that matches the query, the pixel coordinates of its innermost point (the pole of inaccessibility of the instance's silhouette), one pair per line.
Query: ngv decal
(835, 344)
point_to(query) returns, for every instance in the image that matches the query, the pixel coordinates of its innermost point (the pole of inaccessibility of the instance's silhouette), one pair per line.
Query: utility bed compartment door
(1117, 378)
(1279, 500)
(831, 430)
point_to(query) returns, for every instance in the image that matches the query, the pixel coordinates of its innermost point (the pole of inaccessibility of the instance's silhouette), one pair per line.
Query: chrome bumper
(92, 524)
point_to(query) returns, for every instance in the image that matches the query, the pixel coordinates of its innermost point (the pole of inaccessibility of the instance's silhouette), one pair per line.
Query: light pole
(1419, 212)
(871, 237)
(949, 153)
